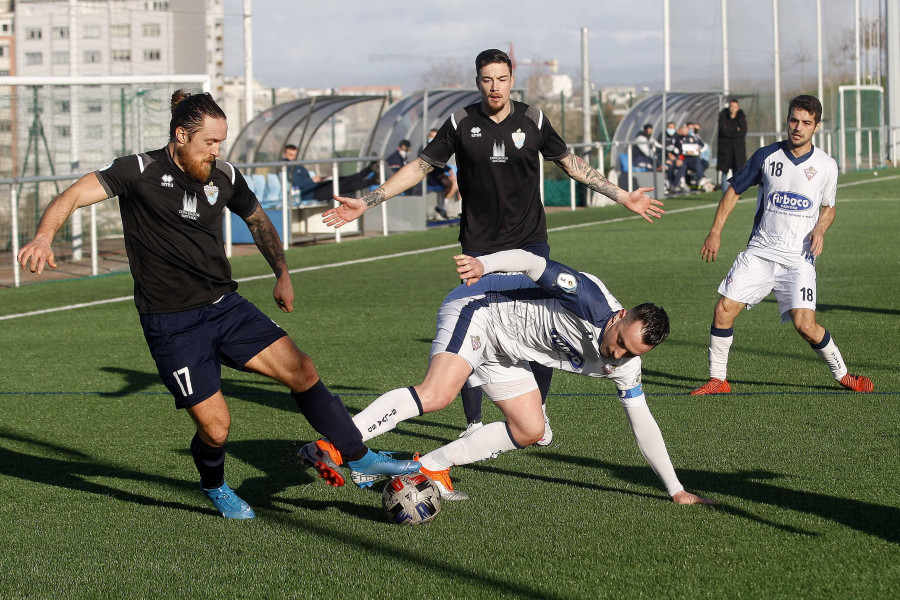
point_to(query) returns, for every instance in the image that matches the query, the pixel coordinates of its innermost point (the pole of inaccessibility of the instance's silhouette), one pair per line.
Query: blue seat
(623, 165)
(272, 196)
(258, 185)
(241, 235)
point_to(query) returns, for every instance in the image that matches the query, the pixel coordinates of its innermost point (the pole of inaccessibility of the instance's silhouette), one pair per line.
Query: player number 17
(186, 389)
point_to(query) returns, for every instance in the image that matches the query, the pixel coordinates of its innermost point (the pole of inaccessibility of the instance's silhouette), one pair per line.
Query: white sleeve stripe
(232, 171)
(140, 162)
(540, 118)
(453, 121)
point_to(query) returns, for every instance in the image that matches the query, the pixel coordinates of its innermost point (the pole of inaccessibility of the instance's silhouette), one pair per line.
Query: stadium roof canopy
(681, 107)
(297, 122)
(411, 117)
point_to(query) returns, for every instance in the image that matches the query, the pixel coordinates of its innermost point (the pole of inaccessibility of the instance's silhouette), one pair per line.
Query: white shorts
(751, 278)
(463, 329)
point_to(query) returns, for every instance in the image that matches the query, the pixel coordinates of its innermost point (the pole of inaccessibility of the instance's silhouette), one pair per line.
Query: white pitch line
(400, 254)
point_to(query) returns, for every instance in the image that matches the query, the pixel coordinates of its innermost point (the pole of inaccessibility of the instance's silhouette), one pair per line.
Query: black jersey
(173, 228)
(499, 174)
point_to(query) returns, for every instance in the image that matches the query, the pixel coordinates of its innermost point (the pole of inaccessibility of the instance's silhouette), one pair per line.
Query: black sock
(210, 463)
(542, 375)
(328, 415)
(471, 401)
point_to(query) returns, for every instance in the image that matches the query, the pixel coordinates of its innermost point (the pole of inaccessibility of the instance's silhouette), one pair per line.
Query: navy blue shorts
(191, 346)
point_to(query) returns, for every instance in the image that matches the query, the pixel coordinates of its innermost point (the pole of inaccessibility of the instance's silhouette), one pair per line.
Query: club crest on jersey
(810, 173)
(190, 207)
(790, 201)
(563, 346)
(212, 193)
(476, 342)
(499, 155)
(518, 139)
(567, 282)
(475, 131)
(167, 181)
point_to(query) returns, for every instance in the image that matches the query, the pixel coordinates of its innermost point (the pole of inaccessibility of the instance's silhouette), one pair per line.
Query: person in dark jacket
(731, 141)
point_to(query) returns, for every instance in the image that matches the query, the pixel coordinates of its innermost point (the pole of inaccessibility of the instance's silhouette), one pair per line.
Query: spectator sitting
(398, 157)
(675, 167)
(704, 147)
(646, 152)
(691, 146)
(302, 182)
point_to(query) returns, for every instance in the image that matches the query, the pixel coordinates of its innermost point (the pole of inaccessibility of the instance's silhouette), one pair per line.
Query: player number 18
(806, 294)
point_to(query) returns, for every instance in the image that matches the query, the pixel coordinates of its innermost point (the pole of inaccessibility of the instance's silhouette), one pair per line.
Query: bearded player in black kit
(498, 145)
(172, 202)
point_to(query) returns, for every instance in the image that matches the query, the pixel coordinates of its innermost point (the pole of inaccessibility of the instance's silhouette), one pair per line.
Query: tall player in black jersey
(172, 202)
(498, 145)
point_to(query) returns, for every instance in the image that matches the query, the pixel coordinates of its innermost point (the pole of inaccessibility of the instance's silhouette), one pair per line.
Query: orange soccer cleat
(322, 456)
(857, 383)
(713, 386)
(442, 481)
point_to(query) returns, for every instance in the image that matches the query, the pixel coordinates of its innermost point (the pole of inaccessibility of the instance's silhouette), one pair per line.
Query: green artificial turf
(99, 496)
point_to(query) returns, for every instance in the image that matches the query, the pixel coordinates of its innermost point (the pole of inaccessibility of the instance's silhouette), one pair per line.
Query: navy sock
(210, 463)
(471, 401)
(542, 375)
(328, 415)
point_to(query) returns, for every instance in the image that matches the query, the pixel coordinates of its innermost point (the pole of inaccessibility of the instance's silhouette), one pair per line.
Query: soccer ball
(411, 499)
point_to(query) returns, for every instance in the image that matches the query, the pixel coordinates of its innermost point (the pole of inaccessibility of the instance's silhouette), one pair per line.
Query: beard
(198, 170)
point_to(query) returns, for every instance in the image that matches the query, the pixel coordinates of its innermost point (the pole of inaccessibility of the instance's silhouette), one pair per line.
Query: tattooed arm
(269, 244)
(575, 167)
(349, 209)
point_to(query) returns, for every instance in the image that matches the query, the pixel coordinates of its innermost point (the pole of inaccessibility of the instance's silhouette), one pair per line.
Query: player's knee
(303, 373)
(215, 434)
(433, 399)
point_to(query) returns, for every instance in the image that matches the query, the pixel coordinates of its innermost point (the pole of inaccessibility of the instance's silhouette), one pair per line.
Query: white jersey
(557, 321)
(791, 190)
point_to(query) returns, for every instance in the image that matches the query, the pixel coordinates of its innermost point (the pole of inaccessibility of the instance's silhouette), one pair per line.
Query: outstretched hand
(685, 497)
(641, 204)
(469, 268)
(349, 210)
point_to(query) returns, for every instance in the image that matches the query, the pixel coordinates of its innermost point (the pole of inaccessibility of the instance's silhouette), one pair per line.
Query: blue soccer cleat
(374, 466)
(228, 503)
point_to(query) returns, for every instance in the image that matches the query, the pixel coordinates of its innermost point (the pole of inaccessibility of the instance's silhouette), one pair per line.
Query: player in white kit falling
(489, 330)
(795, 207)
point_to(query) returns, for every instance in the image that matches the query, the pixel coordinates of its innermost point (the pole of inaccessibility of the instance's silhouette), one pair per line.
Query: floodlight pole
(777, 47)
(248, 63)
(725, 82)
(585, 91)
(76, 226)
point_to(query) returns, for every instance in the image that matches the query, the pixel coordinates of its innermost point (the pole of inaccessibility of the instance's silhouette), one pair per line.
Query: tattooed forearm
(267, 240)
(576, 168)
(375, 197)
(425, 167)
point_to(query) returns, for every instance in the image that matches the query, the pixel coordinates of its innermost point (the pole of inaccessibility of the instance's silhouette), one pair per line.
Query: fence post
(14, 230)
(95, 266)
(285, 211)
(381, 176)
(336, 187)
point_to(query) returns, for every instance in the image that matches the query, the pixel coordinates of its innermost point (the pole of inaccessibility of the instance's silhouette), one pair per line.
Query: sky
(334, 43)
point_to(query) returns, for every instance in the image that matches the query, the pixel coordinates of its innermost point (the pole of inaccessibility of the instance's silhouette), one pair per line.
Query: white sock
(829, 352)
(386, 411)
(483, 443)
(719, 346)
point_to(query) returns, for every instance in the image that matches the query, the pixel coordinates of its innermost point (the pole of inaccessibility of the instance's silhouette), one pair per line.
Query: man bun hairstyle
(189, 110)
(655, 320)
(808, 103)
(488, 57)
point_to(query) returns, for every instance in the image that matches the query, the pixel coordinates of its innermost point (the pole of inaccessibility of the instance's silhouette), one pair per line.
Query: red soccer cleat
(857, 383)
(713, 386)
